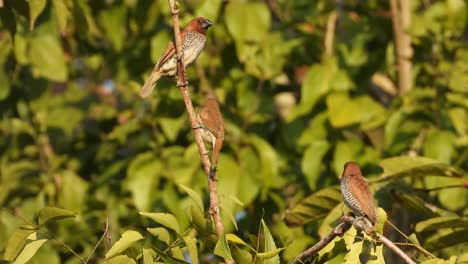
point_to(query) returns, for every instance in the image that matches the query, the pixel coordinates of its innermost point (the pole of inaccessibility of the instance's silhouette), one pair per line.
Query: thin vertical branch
(330, 34)
(401, 20)
(183, 85)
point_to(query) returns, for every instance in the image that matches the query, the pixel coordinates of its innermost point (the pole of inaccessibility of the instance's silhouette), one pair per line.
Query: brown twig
(338, 231)
(183, 85)
(346, 223)
(330, 34)
(395, 249)
(401, 19)
(106, 229)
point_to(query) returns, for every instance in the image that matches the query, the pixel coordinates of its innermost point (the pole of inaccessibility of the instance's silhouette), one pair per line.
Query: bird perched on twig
(358, 197)
(193, 38)
(211, 123)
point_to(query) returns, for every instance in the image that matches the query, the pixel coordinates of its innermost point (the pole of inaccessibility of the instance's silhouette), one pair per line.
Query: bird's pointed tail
(149, 84)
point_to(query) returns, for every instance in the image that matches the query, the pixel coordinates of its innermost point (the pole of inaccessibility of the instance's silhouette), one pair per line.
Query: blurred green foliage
(75, 135)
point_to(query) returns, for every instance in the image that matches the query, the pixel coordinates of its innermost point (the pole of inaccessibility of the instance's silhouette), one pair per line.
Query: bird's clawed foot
(212, 174)
(184, 84)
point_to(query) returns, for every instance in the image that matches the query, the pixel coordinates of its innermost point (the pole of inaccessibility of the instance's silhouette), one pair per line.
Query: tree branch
(346, 223)
(183, 85)
(338, 231)
(401, 20)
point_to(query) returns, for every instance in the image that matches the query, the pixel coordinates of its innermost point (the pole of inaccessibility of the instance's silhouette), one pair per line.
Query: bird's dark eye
(200, 21)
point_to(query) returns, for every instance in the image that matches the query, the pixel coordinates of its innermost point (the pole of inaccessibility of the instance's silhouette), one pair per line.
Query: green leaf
(172, 126)
(415, 204)
(459, 118)
(271, 252)
(114, 22)
(143, 175)
(269, 162)
(437, 223)
(167, 220)
(148, 255)
(312, 164)
(345, 111)
(122, 259)
(30, 249)
(314, 207)
(48, 214)
(161, 233)
(62, 13)
(168, 259)
(446, 238)
(196, 198)
(191, 244)
(74, 190)
(222, 248)
(381, 219)
(406, 166)
(240, 16)
(355, 250)
(127, 239)
(16, 243)
(439, 145)
(47, 58)
(35, 9)
(236, 240)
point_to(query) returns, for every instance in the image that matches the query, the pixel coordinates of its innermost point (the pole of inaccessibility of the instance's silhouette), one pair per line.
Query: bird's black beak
(207, 23)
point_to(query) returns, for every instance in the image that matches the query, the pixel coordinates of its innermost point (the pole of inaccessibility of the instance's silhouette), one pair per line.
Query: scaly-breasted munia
(193, 38)
(357, 196)
(211, 123)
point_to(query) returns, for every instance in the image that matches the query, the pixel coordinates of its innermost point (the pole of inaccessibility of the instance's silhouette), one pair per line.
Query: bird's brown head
(351, 169)
(199, 24)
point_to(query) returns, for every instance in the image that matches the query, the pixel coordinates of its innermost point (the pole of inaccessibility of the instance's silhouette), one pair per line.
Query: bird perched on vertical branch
(193, 38)
(357, 196)
(211, 123)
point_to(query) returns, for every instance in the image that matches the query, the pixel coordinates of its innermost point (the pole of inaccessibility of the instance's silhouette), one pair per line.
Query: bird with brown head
(357, 196)
(193, 38)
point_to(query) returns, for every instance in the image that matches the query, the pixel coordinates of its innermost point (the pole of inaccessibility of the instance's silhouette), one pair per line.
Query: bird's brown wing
(211, 117)
(361, 192)
(170, 51)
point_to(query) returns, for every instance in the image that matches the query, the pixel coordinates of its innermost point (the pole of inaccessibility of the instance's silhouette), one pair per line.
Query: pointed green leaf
(270, 246)
(167, 220)
(16, 243)
(148, 256)
(47, 57)
(48, 214)
(191, 244)
(127, 239)
(222, 248)
(161, 233)
(62, 13)
(30, 249)
(196, 198)
(35, 9)
(314, 207)
(441, 222)
(168, 259)
(122, 259)
(406, 166)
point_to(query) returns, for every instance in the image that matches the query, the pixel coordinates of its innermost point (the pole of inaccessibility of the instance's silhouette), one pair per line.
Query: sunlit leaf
(29, 250)
(167, 220)
(46, 56)
(48, 214)
(222, 248)
(16, 243)
(128, 238)
(314, 207)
